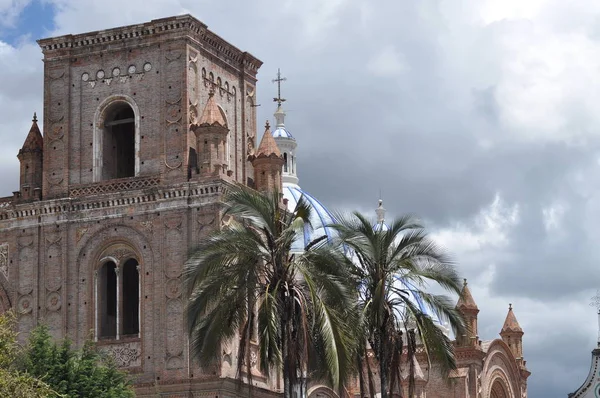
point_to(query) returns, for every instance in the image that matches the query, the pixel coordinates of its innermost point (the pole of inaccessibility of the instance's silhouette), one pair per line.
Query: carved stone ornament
(173, 288)
(4, 259)
(120, 254)
(25, 304)
(53, 301)
(147, 225)
(79, 234)
(125, 355)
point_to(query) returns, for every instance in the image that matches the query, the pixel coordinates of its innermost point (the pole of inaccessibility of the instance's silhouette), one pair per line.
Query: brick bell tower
(145, 126)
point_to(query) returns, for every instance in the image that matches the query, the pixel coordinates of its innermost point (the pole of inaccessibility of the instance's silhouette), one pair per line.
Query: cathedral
(144, 127)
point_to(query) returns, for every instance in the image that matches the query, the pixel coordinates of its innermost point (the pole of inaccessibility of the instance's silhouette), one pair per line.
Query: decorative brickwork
(111, 186)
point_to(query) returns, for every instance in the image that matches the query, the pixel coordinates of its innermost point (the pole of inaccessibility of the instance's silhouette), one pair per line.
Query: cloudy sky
(482, 117)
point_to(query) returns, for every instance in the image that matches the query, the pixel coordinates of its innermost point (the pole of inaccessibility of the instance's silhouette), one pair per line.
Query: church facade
(144, 128)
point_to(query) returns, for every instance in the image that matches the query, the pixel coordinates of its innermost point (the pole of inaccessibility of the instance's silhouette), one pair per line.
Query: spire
(34, 140)
(283, 138)
(212, 114)
(511, 324)
(268, 146)
(380, 211)
(466, 301)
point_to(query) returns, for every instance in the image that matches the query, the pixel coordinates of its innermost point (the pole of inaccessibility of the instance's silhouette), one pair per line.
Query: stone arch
(500, 373)
(321, 391)
(499, 389)
(118, 110)
(117, 244)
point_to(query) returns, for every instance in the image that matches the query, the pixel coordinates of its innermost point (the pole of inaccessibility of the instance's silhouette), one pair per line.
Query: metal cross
(279, 79)
(596, 301)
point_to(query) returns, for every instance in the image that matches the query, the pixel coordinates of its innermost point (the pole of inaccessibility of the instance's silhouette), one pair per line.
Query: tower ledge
(131, 35)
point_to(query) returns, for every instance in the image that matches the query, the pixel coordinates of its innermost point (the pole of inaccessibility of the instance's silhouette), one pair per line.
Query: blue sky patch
(36, 21)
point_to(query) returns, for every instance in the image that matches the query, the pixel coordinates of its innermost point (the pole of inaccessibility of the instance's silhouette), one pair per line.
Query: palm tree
(244, 281)
(391, 266)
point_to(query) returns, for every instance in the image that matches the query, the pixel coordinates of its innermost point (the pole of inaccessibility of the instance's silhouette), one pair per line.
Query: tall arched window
(285, 162)
(117, 293)
(107, 300)
(119, 143)
(116, 139)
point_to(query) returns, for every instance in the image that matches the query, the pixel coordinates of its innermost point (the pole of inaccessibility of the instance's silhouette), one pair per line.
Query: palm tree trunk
(383, 362)
(287, 385)
(361, 378)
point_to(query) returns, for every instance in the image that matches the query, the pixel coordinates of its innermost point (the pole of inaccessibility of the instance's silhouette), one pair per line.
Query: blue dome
(319, 218)
(282, 132)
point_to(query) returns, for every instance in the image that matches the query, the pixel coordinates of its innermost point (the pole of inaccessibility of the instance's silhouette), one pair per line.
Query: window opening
(131, 295)
(107, 283)
(119, 144)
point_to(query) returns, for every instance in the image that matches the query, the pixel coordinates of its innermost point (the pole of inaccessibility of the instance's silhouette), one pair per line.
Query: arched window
(118, 149)
(117, 292)
(116, 146)
(107, 300)
(285, 162)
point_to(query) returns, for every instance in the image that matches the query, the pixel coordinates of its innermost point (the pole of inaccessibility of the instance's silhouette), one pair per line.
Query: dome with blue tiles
(320, 217)
(282, 132)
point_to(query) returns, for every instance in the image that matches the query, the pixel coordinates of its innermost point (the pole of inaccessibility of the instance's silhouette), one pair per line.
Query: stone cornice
(171, 27)
(189, 192)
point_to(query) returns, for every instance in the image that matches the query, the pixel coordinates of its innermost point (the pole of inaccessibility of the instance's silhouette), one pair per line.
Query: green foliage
(73, 373)
(14, 383)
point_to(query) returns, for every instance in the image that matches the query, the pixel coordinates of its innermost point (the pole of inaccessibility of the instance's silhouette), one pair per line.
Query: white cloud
(487, 230)
(10, 10)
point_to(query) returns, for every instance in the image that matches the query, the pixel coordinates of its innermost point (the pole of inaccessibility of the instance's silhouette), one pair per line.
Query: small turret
(211, 139)
(512, 335)
(267, 163)
(31, 158)
(468, 308)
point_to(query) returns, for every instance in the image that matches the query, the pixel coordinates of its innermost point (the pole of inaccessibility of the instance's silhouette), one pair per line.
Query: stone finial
(34, 118)
(510, 323)
(466, 301)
